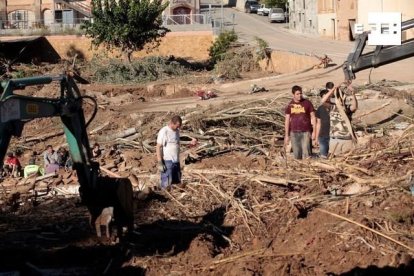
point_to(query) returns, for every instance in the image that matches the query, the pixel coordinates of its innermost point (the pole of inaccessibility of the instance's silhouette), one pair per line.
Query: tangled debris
(246, 208)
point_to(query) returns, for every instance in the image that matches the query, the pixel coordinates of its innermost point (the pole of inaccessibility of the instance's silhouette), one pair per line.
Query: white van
(276, 14)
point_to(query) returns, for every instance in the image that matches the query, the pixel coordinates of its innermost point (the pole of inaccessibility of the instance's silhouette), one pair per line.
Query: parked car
(263, 10)
(251, 6)
(276, 14)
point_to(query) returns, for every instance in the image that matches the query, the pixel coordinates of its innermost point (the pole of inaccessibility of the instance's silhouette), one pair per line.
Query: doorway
(182, 15)
(351, 23)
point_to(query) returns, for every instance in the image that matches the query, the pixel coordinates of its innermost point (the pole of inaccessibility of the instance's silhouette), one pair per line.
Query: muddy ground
(228, 219)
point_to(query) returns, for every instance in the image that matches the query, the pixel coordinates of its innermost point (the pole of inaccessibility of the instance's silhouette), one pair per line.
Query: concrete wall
(406, 7)
(287, 62)
(327, 25)
(191, 45)
(3, 15)
(240, 5)
(303, 16)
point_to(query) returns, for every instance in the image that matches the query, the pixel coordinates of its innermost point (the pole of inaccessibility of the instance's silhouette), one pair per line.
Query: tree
(128, 25)
(276, 3)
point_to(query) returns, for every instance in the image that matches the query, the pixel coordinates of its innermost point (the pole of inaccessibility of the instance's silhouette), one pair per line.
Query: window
(304, 7)
(19, 15)
(19, 19)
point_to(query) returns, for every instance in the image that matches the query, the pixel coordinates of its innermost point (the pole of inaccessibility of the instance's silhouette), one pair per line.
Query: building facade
(303, 16)
(406, 7)
(337, 18)
(346, 15)
(182, 11)
(23, 14)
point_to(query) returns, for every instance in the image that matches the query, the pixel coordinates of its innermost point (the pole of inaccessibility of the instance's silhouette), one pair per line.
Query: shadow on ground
(404, 269)
(56, 240)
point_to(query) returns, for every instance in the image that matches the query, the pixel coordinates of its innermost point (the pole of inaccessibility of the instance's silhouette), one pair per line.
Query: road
(279, 37)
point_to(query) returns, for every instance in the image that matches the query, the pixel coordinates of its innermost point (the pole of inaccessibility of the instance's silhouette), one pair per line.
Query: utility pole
(222, 16)
(287, 14)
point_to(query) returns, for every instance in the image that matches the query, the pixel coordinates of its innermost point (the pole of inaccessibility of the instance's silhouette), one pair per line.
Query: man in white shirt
(168, 152)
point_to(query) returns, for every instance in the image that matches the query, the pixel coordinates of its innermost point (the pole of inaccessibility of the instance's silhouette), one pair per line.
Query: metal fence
(210, 19)
(186, 19)
(41, 27)
(38, 24)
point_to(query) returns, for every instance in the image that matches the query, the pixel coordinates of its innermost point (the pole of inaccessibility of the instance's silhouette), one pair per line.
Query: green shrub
(138, 71)
(222, 45)
(236, 62)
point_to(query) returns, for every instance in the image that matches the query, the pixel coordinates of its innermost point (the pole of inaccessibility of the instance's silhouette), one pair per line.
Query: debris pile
(246, 206)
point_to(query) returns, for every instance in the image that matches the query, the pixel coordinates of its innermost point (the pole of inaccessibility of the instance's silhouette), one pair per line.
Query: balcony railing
(185, 19)
(40, 27)
(186, 22)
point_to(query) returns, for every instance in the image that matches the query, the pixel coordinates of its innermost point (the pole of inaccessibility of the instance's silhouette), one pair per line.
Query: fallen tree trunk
(126, 133)
(43, 137)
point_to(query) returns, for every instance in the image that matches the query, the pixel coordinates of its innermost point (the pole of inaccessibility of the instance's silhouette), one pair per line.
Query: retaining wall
(287, 62)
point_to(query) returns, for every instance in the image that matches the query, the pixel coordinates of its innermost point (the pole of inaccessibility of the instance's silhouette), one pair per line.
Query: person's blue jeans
(323, 146)
(172, 175)
(301, 144)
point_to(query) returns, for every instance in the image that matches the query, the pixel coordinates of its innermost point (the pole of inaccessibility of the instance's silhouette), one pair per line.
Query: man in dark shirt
(323, 125)
(341, 132)
(299, 122)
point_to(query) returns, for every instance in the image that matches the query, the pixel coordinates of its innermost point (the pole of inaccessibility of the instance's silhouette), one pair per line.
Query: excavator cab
(96, 191)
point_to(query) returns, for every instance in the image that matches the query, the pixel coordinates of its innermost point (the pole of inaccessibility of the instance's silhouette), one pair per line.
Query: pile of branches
(261, 203)
(238, 61)
(255, 126)
(138, 71)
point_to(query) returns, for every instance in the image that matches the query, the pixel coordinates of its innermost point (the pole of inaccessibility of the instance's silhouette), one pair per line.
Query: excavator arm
(96, 191)
(382, 55)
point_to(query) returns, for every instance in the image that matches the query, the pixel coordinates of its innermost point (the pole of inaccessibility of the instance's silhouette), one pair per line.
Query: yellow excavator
(96, 190)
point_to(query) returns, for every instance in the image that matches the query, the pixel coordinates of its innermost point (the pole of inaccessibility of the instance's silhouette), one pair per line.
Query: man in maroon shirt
(299, 124)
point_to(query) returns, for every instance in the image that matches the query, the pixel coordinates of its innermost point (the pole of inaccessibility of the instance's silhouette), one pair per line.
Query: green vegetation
(262, 48)
(236, 60)
(128, 25)
(276, 3)
(138, 71)
(222, 45)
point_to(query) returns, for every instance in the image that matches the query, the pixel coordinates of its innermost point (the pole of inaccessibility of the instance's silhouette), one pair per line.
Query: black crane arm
(382, 55)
